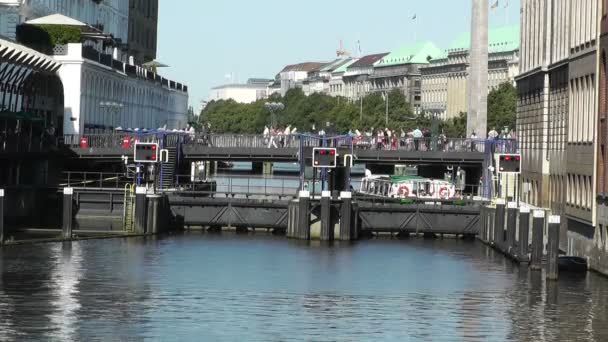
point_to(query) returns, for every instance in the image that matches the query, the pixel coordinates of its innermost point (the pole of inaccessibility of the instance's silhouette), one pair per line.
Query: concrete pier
(303, 227)
(524, 233)
(553, 247)
(68, 216)
(499, 225)
(538, 225)
(327, 227)
(140, 218)
(511, 228)
(153, 214)
(1, 217)
(346, 217)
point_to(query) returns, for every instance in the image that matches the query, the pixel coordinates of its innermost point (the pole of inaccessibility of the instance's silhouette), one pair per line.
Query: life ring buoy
(444, 193)
(404, 191)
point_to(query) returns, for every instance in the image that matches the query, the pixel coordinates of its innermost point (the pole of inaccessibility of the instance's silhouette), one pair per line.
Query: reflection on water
(206, 287)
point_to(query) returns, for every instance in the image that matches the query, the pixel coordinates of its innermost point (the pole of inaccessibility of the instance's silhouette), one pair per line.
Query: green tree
(455, 127)
(502, 107)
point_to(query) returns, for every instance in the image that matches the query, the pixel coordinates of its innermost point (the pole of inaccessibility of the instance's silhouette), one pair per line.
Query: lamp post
(385, 97)
(274, 107)
(113, 108)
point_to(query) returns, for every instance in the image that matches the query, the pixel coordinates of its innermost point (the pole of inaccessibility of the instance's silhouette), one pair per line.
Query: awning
(21, 55)
(25, 116)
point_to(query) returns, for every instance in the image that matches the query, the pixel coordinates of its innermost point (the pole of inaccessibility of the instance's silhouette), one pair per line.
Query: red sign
(126, 142)
(84, 143)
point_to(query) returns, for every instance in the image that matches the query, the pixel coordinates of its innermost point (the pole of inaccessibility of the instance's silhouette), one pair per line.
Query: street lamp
(113, 108)
(274, 107)
(385, 97)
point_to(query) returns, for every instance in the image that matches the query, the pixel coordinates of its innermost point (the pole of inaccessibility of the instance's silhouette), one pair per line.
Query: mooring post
(67, 218)
(511, 227)
(553, 247)
(499, 224)
(140, 209)
(303, 228)
(538, 226)
(327, 229)
(1, 217)
(152, 215)
(524, 233)
(346, 227)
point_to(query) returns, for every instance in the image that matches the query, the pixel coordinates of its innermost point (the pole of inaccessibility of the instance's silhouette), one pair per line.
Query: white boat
(408, 187)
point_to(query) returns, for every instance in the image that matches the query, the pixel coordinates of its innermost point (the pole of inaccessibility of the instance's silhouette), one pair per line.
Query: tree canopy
(502, 107)
(301, 111)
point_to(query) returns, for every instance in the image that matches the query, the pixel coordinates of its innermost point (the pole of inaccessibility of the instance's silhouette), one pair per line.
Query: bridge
(236, 147)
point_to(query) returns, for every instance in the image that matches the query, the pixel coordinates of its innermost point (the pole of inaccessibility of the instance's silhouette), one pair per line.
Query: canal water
(201, 287)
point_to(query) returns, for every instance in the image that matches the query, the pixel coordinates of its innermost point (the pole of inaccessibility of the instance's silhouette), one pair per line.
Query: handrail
(258, 141)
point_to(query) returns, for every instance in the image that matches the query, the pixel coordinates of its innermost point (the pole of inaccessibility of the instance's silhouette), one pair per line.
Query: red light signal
(507, 158)
(324, 157)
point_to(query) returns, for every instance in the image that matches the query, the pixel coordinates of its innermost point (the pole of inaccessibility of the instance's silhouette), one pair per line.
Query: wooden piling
(346, 226)
(511, 227)
(499, 225)
(327, 228)
(1, 217)
(524, 233)
(553, 247)
(67, 217)
(303, 227)
(538, 226)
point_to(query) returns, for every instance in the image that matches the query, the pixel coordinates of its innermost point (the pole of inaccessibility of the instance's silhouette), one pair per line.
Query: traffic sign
(146, 153)
(509, 163)
(324, 157)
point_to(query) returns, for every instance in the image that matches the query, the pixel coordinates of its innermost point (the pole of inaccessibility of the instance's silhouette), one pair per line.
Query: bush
(44, 37)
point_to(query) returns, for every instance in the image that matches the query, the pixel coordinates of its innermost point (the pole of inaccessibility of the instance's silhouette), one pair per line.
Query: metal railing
(242, 186)
(97, 180)
(117, 139)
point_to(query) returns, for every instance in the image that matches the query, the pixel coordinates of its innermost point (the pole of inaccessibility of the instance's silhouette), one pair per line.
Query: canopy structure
(87, 31)
(56, 19)
(15, 54)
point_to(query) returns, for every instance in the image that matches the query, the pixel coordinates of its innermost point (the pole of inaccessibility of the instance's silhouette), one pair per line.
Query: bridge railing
(126, 140)
(358, 143)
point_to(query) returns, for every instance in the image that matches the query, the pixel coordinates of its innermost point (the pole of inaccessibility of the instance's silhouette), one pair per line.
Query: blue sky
(204, 40)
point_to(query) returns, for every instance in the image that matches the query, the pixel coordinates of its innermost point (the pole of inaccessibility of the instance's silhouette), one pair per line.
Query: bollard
(67, 220)
(153, 213)
(140, 209)
(538, 225)
(1, 217)
(524, 233)
(499, 224)
(511, 226)
(327, 229)
(553, 247)
(346, 227)
(303, 228)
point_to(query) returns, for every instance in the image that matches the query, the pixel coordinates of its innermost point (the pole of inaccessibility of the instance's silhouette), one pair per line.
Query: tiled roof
(420, 53)
(368, 61)
(345, 66)
(308, 67)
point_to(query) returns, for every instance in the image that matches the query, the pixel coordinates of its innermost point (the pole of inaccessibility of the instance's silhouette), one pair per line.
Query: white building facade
(141, 98)
(241, 93)
(110, 16)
